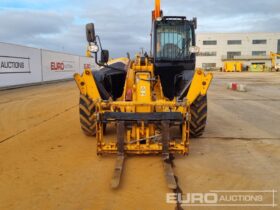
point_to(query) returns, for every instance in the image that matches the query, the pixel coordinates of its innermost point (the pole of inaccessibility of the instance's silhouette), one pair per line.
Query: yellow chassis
(135, 136)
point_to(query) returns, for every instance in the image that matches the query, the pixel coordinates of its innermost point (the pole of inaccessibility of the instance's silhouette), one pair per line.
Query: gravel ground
(47, 162)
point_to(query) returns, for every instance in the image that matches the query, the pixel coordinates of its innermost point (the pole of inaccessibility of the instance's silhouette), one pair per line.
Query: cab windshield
(173, 39)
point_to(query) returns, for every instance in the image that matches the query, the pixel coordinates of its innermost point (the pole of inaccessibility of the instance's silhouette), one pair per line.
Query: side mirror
(195, 22)
(104, 56)
(90, 32)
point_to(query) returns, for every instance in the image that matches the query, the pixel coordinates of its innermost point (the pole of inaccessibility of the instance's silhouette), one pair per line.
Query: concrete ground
(47, 163)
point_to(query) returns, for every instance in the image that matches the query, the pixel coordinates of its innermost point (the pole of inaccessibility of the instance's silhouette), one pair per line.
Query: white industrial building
(250, 48)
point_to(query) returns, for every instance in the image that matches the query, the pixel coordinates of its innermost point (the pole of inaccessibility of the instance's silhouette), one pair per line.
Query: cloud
(41, 29)
(22, 24)
(124, 26)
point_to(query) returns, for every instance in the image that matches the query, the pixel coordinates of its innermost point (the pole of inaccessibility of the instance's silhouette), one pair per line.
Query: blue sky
(124, 26)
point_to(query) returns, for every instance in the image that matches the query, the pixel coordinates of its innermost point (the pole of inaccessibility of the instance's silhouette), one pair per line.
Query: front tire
(198, 117)
(87, 110)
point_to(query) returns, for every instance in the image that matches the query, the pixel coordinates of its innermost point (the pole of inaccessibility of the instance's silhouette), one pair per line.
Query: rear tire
(87, 115)
(198, 117)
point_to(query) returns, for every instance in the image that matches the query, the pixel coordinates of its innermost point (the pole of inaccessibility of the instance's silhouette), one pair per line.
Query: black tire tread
(198, 117)
(87, 115)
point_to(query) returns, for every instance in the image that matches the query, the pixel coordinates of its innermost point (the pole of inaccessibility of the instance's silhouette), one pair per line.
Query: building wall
(245, 48)
(21, 65)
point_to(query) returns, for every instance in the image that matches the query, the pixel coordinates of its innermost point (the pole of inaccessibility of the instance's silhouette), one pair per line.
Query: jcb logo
(143, 91)
(57, 66)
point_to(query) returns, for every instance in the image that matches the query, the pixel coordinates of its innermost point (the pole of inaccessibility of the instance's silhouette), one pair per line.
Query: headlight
(93, 48)
(159, 19)
(194, 49)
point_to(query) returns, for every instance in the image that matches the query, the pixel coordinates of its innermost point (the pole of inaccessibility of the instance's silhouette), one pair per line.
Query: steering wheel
(171, 49)
(186, 45)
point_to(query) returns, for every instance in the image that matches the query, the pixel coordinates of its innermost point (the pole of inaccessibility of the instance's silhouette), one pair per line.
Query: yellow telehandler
(274, 66)
(146, 97)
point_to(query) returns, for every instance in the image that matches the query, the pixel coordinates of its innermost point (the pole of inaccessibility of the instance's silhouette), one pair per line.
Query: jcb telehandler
(148, 96)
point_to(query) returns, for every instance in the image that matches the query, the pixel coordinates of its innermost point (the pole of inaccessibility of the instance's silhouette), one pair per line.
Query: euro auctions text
(242, 198)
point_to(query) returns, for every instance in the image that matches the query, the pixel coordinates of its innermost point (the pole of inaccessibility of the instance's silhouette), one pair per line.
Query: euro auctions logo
(65, 66)
(57, 66)
(87, 66)
(225, 198)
